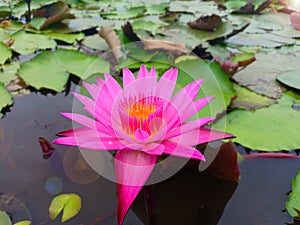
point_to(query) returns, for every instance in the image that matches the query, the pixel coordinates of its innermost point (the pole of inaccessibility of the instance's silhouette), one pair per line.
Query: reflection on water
(189, 197)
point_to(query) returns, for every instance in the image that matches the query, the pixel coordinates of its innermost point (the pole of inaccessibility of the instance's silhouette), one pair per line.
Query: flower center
(137, 114)
(141, 110)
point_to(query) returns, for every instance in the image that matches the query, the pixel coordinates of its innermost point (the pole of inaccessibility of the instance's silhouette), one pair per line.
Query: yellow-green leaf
(70, 204)
(4, 218)
(25, 222)
(293, 204)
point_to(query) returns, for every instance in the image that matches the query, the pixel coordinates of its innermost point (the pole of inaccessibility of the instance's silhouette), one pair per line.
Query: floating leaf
(274, 128)
(293, 204)
(4, 218)
(82, 24)
(51, 69)
(191, 36)
(8, 72)
(157, 9)
(5, 99)
(21, 8)
(150, 26)
(5, 53)
(267, 40)
(26, 43)
(95, 42)
(70, 204)
(37, 22)
(243, 59)
(250, 100)
(290, 78)
(4, 35)
(199, 8)
(53, 13)
(260, 76)
(133, 12)
(67, 38)
(25, 222)
(216, 83)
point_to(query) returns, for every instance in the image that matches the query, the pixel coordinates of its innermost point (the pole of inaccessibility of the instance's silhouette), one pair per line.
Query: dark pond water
(189, 197)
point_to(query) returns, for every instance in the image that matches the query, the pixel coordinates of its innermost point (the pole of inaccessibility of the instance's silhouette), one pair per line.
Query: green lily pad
(26, 43)
(67, 38)
(6, 98)
(70, 204)
(235, 4)
(5, 53)
(25, 222)
(150, 26)
(267, 40)
(4, 34)
(274, 128)
(133, 12)
(293, 204)
(4, 218)
(290, 78)
(192, 37)
(216, 83)
(5, 11)
(250, 100)
(81, 24)
(21, 8)
(37, 22)
(8, 72)
(157, 9)
(95, 42)
(199, 8)
(51, 69)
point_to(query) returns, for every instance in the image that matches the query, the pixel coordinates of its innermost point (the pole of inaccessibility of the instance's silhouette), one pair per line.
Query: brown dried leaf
(169, 46)
(112, 39)
(208, 23)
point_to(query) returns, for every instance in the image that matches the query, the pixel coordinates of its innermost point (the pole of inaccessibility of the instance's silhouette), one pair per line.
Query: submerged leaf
(293, 204)
(70, 204)
(51, 69)
(274, 128)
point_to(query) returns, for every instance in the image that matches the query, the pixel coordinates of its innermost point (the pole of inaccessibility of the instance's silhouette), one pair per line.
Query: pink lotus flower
(141, 121)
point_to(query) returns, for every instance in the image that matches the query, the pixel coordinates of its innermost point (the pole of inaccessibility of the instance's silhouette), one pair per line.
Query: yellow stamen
(141, 110)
